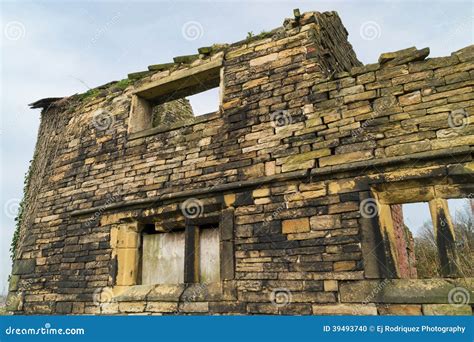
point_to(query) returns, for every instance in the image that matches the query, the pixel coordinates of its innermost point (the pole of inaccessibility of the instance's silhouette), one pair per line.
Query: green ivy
(21, 210)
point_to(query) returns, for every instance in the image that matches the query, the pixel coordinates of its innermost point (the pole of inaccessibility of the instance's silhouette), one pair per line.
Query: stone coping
(456, 291)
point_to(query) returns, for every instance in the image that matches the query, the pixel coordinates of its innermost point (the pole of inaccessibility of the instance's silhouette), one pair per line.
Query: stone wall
(305, 136)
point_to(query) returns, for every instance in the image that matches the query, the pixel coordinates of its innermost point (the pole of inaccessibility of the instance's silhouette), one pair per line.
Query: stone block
(264, 192)
(63, 308)
(345, 309)
(345, 158)
(330, 285)
(295, 226)
(325, 222)
(410, 99)
(13, 283)
(24, 266)
(165, 307)
(195, 307)
(132, 307)
(263, 60)
(400, 309)
(344, 266)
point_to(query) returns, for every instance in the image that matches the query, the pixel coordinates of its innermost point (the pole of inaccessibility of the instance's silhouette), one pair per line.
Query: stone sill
(177, 125)
(456, 291)
(178, 293)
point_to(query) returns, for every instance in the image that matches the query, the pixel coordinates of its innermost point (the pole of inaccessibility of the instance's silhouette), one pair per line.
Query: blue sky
(58, 48)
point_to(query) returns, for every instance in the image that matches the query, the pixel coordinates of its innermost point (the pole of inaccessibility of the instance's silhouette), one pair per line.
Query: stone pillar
(389, 239)
(125, 242)
(445, 237)
(140, 115)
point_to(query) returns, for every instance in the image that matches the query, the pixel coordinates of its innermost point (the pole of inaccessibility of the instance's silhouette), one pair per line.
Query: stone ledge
(177, 293)
(317, 172)
(405, 291)
(446, 310)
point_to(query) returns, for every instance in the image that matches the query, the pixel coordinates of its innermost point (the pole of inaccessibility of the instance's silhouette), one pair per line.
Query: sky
(59, 48)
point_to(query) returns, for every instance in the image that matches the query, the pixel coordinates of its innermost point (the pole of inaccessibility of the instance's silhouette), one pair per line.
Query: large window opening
(178, 98)
(434, 239)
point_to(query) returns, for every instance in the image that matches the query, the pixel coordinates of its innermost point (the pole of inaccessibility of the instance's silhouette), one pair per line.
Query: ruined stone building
(287, 200)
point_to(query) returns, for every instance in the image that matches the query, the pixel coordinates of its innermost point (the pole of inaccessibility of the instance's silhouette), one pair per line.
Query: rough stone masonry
(284, 201)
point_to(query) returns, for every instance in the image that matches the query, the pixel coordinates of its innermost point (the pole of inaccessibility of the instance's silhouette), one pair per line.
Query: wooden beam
(191, 254)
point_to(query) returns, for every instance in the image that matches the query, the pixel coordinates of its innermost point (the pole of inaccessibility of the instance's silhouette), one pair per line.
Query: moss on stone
(122, 84)
(90, 94)
(262, 35)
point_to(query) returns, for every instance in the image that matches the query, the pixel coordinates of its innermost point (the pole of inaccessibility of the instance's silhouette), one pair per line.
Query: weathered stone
(132, 307)
(395, 290)
(345, 158)
(410, 99)
(400, 309)
(323, 222)
(344, 266)
(194, 307)
(24, 266)
(262, 60)
(330, 285)
(344, 309)
(185, 59)
(160, 67)
(446, 310)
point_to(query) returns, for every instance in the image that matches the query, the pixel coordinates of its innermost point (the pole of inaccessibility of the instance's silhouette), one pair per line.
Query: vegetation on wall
(122, 84)
(21, 211)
